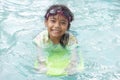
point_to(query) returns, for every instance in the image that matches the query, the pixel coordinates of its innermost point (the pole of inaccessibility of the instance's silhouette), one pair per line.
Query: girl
(58, 53)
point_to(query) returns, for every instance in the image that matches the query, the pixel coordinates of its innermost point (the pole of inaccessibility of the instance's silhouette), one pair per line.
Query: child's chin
(56, 35)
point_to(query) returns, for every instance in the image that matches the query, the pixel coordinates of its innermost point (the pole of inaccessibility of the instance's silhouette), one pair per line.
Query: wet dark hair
(65, 38)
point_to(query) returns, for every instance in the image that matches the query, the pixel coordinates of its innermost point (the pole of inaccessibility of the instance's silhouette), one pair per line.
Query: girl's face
(57, 25)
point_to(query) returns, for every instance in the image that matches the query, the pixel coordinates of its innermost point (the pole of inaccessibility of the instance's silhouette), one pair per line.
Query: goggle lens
(59, 11)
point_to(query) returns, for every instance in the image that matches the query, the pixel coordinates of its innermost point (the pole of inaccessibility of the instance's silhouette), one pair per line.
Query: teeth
(55, 30)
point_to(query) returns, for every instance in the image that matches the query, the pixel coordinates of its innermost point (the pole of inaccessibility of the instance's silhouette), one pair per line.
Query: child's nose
(57, 24)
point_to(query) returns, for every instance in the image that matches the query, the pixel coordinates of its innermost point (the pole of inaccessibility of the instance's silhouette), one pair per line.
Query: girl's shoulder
(73, 42)
(72, 39)
(41, 38)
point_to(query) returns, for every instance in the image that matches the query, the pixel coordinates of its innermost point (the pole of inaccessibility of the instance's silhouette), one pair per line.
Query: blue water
(96, 26)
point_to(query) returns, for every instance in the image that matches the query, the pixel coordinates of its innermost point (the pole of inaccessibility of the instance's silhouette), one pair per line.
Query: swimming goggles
(59, 10)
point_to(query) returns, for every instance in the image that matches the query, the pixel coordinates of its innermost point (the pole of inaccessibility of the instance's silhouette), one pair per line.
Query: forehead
(58, 16)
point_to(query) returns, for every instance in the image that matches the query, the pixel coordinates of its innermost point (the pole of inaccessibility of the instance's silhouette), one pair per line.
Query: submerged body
(54, 59)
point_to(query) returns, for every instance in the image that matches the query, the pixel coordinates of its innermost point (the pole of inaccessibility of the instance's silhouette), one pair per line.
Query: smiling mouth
(56, 31)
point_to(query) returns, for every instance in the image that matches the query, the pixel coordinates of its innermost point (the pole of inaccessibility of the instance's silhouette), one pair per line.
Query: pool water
(96, 26)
